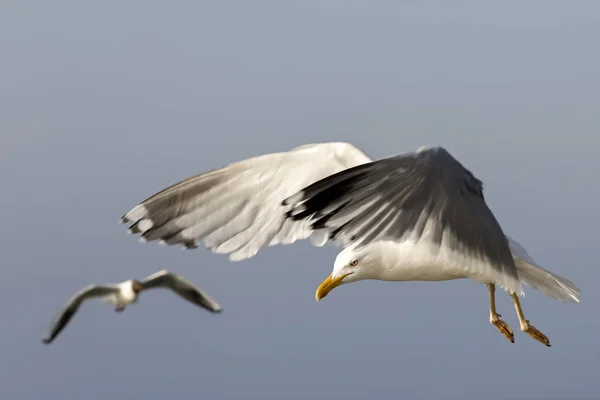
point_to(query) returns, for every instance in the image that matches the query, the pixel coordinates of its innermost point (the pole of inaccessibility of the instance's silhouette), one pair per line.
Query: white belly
(423, 273)
(123, 297)
(421, 261)
(112, 299)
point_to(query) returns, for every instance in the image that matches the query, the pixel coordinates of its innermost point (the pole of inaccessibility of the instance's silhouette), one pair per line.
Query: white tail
(533, 275)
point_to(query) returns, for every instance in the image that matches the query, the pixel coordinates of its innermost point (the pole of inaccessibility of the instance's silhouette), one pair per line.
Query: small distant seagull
(125, 293)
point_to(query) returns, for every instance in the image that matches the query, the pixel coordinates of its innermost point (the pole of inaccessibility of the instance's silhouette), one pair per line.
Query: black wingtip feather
(302, 215)
(190, 244)
(321, 223)
(146, 233)
(134, 228)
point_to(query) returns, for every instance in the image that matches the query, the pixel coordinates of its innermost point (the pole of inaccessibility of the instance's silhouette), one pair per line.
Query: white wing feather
(237, 209)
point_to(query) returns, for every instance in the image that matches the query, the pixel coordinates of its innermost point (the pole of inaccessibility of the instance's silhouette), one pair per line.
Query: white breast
(126, 294)
(415, 261)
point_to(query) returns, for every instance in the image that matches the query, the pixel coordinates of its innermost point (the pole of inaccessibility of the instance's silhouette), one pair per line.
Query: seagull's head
(350, 265)
(137, 286)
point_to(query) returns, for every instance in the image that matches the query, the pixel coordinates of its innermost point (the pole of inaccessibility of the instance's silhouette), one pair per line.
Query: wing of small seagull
(182, 287)
(73, 304)
(237, 209)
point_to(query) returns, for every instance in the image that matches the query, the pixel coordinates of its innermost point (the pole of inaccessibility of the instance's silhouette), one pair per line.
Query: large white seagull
(417, 216)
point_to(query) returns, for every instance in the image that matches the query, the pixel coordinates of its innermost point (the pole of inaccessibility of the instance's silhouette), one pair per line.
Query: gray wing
(427, 195)
(73, 305)
(183, 288)
(237, 209)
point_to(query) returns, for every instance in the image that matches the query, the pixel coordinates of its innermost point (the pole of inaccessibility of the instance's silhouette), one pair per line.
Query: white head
(351, 265)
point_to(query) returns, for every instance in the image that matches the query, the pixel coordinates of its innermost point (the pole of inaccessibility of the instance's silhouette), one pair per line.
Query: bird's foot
(502, 327)
(535, 333)
(120, 309)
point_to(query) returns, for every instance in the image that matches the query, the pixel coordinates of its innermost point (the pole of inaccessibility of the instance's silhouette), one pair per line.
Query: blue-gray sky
(104, 103)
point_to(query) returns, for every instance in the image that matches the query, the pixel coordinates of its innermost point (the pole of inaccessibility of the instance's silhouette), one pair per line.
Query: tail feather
(533, 275)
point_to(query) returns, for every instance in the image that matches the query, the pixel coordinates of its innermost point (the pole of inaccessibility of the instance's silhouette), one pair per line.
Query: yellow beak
(328, 285)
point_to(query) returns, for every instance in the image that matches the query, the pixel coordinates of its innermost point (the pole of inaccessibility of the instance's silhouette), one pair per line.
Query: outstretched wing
(183, 288)
(73, 305)
(237, 209)
(423, 196)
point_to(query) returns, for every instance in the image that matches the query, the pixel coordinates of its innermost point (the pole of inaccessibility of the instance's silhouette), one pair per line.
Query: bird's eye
(353, 263)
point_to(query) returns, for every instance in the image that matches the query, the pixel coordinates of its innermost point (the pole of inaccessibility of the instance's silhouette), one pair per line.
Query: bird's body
(403, 262)
(123, 296)
(412, 217)
(125, 293)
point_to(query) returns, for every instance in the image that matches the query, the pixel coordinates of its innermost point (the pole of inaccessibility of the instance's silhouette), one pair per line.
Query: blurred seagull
(125, 293)
(418, 216)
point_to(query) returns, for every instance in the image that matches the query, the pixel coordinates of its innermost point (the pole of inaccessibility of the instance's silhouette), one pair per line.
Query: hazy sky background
(104, 103)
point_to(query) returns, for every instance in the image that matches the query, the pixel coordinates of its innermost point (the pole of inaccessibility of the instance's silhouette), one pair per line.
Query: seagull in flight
(418, 216)
(120, 295)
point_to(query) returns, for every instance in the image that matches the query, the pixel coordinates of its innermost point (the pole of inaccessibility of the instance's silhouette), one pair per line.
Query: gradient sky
(104, 103)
